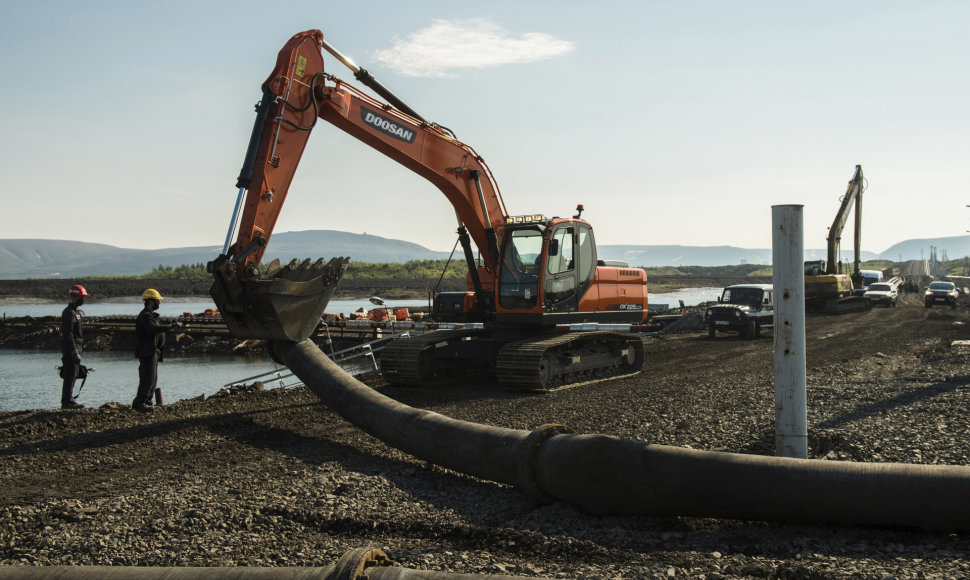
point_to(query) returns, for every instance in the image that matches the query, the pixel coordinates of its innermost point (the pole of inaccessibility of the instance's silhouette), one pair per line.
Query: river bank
(131, 288)
(349, 288)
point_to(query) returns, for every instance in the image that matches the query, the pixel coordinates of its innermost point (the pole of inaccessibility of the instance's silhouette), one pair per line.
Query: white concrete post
(787, 261)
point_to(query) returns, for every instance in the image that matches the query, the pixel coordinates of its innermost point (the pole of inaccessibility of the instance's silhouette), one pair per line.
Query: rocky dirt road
(274, 478)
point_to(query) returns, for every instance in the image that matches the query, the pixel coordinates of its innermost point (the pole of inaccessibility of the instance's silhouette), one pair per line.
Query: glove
(77, 359)
(175, 326)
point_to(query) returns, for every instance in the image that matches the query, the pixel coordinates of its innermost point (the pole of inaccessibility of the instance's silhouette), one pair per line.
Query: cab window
(519, 276)
(563, 260)
(587, 257)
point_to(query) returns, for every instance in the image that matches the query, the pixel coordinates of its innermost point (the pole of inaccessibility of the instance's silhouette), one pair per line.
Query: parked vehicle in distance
(868, 278)
(882, 294)
(941, 293)
(743, 308)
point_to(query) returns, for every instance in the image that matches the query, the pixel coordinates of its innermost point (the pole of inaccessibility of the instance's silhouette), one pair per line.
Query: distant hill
(954, 247)
(27, 258)
(329, 243)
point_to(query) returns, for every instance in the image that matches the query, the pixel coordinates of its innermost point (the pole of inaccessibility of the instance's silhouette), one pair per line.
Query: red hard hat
(77, 290)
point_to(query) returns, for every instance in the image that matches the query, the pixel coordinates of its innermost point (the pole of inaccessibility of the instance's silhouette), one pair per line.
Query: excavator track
(420, 360)
(549, 363)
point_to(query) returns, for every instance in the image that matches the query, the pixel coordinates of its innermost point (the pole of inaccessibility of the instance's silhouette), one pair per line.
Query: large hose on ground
(608, 475)
(357, 564)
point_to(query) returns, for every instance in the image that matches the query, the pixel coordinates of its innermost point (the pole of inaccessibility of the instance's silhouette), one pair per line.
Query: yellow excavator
(827, 288)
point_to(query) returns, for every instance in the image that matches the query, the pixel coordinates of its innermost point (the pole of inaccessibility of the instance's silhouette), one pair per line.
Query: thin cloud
(448, 45)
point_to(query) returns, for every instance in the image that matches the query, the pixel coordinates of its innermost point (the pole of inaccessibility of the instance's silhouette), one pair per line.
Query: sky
(126, 122)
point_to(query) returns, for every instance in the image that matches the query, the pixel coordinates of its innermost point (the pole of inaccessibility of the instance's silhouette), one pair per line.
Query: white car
(882, 294)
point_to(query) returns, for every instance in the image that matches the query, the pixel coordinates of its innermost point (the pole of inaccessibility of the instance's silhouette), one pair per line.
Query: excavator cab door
(567, 266)
(570, 266)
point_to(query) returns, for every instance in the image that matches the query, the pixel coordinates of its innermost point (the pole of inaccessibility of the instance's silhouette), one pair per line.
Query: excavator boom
(852, 197)
(299, 92)
(295, 96)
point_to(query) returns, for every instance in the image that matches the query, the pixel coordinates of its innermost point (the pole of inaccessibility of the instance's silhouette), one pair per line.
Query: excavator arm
(852, 197)
(297, 94)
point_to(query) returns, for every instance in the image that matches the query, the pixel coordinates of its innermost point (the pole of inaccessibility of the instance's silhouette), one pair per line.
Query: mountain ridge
(42, 258)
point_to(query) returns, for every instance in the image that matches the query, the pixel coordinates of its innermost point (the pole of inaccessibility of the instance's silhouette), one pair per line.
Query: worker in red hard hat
(72, 338)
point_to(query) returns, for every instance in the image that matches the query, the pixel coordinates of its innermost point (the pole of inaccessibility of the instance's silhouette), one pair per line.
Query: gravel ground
(274, 478)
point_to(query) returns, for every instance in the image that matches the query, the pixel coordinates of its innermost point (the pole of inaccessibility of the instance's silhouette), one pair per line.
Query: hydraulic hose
(608, 475)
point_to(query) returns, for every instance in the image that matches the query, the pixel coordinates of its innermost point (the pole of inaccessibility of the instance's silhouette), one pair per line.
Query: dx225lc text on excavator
(826, 287)
(535, 276)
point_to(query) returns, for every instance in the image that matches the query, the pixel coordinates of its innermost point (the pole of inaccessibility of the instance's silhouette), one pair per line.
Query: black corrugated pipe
(608, 475)
(358, 564)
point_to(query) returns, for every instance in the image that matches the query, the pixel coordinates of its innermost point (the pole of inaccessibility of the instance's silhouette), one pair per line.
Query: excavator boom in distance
(532, 277)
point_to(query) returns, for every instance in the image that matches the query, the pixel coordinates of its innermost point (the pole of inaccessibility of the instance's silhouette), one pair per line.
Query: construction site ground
(274, 478)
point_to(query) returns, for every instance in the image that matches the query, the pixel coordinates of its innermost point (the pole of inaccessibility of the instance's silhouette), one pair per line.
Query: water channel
(28, 378)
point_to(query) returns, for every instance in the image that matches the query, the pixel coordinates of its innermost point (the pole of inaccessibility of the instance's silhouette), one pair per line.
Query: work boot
(72, 405)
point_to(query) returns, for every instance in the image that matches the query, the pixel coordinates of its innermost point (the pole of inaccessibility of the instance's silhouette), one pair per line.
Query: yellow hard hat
(151, 294)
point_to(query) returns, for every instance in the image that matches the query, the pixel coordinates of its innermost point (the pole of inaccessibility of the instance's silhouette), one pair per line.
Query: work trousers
(70, 372)
(147, 379)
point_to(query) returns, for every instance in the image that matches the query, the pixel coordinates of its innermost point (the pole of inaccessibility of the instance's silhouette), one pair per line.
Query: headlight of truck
(737, 313)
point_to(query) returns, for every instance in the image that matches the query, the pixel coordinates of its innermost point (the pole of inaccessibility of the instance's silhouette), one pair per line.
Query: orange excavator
(533, 277)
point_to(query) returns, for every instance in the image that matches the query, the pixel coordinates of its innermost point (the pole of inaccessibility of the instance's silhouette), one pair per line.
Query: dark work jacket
(150, 335)
(71, 334)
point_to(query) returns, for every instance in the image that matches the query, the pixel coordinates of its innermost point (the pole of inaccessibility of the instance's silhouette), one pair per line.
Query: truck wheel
(711, 331)
(757, 329)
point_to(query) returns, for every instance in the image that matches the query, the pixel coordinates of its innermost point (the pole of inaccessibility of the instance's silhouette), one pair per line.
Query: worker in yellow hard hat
(150, 336)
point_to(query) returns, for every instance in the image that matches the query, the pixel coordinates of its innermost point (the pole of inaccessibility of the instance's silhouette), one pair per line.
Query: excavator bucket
(286, 303)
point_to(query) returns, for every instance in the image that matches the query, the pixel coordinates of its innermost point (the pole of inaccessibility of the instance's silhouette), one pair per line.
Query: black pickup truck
(743, 308)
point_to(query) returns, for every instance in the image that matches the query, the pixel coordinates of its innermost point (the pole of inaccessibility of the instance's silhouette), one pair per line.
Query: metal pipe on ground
(357, 564)
(607, 475)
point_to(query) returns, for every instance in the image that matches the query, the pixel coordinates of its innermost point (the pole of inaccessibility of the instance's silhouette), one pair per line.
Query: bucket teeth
(273, 267)
(284, 304)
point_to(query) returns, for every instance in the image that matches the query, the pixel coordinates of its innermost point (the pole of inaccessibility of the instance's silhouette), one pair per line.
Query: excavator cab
(545, 270)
